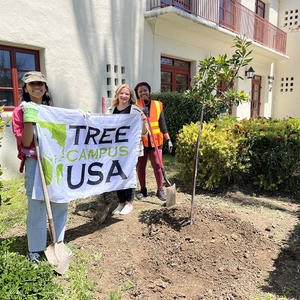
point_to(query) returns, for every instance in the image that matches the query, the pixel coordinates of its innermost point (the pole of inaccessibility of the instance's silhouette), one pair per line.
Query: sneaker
(127, 209)
(142, 193)
(118, 209)
(161, 195)
(35, 257)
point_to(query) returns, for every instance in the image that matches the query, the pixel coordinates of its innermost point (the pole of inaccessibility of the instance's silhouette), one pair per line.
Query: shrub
(22, 279)
(221, 158)
(178, 111)
(274, 153)
(264, 152)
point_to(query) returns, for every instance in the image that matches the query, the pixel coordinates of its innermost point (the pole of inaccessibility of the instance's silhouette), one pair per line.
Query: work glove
(143, 117)
(30, 110)
(146, 111)
(85, 112)
(170, 146)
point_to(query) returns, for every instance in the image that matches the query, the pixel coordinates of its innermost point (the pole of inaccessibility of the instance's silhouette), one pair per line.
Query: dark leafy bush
(273, 153)
(22, 279)
(179, 111)
(221, 158)
(264, 152)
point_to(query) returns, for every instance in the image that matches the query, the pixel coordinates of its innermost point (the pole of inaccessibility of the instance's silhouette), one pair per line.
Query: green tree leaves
(214, 83)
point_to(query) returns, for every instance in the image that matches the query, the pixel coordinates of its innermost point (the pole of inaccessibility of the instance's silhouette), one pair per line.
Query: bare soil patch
(241, 246)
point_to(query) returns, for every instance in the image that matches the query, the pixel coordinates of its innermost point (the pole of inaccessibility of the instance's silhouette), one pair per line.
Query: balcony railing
(234, 17)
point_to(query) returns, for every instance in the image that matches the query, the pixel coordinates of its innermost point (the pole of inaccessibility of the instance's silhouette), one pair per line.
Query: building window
(14, 63)
(260, 8)
(224, 85)
(175, 75)
(227, 13)
(260, 26)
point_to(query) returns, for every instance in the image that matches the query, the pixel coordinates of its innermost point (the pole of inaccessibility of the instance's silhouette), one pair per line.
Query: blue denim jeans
(36, 221)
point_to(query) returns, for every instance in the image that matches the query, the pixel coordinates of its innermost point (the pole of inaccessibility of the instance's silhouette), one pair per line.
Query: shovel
(56, 253)
(171, 189)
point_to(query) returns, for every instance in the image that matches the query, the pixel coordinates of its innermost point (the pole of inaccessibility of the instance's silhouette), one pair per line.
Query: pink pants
(155, 162)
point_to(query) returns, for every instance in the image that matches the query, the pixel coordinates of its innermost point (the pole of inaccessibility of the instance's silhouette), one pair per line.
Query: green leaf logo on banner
(59, 134)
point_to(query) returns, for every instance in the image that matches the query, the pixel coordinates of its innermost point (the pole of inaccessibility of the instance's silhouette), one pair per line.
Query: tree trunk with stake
(195, 169)
(207, 89)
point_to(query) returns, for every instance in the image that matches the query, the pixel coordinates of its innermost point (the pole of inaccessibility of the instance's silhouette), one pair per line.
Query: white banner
(84, 156)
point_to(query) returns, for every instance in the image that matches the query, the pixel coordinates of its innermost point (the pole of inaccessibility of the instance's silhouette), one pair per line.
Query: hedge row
(179, 111)
(264, 152)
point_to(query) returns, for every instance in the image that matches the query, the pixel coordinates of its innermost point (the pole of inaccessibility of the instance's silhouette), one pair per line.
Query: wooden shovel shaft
(56, 253)
(165, 176)
(45, 191)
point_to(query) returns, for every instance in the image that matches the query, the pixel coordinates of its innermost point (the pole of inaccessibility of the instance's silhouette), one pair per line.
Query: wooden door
(255, 97)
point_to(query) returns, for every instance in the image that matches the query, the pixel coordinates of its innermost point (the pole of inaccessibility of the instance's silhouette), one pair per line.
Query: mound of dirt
(237, 248)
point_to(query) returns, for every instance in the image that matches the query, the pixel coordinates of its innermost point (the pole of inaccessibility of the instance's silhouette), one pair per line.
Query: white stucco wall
(272, 14)
(8, 153)
(78, 39)
(286, 103)
(243, 111)
(271, 9)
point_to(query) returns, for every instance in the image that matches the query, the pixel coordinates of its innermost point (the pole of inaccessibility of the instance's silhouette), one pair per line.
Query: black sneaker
(161, 195)
(35, 257)
(142, 193)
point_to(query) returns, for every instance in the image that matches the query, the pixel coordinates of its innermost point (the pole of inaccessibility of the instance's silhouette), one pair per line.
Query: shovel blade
(57, 255)
(171, 195)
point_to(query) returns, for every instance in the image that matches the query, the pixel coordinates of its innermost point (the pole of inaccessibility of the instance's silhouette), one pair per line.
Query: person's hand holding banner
(85, 112)
(30, 110)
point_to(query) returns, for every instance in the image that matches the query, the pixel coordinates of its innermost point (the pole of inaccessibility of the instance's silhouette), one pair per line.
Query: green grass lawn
(20, 282)
(13, 205)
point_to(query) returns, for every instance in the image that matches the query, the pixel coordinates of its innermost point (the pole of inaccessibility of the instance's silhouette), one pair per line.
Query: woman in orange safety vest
(154, 111)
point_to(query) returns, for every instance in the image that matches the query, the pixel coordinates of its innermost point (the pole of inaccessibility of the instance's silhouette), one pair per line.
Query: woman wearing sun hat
(35, 92)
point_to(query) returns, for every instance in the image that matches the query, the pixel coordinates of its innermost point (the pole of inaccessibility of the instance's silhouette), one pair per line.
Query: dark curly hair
(47, 99)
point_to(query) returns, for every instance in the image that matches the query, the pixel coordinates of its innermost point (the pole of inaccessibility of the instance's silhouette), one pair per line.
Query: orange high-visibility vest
(154, 114)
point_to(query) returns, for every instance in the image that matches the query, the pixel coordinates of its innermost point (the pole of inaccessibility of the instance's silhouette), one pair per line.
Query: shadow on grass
(18, 245)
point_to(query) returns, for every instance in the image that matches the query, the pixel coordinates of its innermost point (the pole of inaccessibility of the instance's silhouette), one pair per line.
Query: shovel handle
(152, 135)
(45, 191)
(155, 146)
(165, 177)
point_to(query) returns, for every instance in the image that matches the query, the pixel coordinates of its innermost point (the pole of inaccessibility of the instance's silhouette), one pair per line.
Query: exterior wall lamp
(249, 73)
